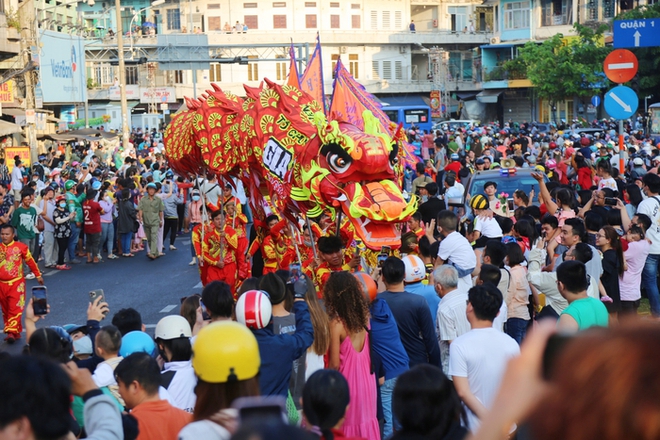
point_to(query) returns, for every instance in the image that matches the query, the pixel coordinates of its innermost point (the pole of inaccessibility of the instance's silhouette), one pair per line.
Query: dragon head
(357, 172)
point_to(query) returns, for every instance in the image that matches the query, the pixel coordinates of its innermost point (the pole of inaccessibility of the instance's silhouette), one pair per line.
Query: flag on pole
(312, 79)
(350, 100)
(294, 78)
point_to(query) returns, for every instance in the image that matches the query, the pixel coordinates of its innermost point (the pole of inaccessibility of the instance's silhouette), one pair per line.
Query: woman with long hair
(609, 244)
(321, 324)
(350, 354)
(226, 361)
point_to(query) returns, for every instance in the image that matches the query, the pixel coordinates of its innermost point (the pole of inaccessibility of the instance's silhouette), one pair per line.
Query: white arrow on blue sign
(637, 33)
(595, 101)
(621, 102)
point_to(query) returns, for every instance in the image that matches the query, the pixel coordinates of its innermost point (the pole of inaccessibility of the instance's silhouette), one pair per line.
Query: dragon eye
(337, 163)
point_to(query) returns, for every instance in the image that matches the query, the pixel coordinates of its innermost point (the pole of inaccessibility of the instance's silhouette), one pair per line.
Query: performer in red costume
(219, 252)
(333, 259)
(238, 222)
(12, 281)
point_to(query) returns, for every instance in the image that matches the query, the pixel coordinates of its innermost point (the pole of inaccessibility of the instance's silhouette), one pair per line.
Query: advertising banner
(157, 95)
(436, 111)
(22, 152)
(62, 67)
(7, 92)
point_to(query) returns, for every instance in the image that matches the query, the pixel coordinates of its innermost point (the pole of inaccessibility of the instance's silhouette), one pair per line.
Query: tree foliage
(648, 57)
(565, 67)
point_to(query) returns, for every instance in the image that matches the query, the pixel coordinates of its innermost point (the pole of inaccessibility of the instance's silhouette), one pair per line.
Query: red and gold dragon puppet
(279, 143)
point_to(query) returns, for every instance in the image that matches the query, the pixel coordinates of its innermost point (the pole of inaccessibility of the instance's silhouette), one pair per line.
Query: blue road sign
(595, 101)
(637, 33)
(621, 102)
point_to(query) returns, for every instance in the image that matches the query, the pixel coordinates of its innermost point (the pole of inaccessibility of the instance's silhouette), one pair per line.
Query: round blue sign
(621, 102)
(595, 101)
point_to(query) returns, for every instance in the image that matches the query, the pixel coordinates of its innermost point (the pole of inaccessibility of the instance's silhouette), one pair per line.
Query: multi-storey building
(373, 39)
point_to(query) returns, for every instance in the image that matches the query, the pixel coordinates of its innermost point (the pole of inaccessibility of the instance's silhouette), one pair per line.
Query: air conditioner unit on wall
(495, 40)
(343, 49)
(403, 49)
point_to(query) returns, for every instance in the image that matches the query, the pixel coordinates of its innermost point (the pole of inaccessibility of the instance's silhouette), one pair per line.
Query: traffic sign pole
(622, 170)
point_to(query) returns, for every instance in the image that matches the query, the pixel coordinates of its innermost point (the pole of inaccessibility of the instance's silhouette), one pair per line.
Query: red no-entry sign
(620, 66)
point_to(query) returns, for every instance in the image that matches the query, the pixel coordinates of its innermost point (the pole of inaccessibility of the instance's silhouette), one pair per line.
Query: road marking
(617, 66)
(146, 326)
(185, 242)
(52, 272)
(168, 308)
(198, 285)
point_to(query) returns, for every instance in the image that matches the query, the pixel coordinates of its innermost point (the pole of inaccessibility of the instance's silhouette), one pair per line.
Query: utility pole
(26, 13)
(122, 79)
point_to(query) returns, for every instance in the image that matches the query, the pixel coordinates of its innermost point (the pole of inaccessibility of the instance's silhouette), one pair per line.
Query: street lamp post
(122, 78)
(122, 72)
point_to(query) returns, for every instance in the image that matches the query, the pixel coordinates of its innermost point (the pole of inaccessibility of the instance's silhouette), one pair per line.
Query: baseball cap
(454, 156)
(638, 161)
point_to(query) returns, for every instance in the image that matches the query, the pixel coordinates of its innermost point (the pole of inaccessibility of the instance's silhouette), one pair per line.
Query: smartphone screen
(39, 300)
(385, 250)
(294, 272)
(261, 409)
(611, 201)
(381, 259)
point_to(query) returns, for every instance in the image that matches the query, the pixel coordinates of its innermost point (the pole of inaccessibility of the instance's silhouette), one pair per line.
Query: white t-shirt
(17, 179)
(608, 183)
(213, 191)
(451, 322)
(481, 355)
(455, 249)
(651, 207)
(488, 227)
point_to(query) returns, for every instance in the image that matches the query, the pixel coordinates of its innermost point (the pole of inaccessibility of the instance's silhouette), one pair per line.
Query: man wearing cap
(151, 214)
(12, 281)
(638, 169)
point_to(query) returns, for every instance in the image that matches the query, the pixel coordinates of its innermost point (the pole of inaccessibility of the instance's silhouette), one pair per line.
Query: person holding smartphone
(12, 281)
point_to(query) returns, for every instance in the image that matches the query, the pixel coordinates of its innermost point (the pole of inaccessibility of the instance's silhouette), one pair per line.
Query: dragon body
(279, 142)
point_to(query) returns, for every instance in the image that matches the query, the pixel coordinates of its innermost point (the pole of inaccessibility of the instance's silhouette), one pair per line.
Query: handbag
(40, 224)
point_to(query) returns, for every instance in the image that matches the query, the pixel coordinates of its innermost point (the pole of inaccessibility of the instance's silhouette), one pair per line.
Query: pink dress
(356, 367)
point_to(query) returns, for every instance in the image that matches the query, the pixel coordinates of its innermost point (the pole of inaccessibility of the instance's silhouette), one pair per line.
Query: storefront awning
(489, 96)
(7, 128)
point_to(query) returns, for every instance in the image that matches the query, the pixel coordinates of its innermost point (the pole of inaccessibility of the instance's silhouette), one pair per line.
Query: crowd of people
(487, 321)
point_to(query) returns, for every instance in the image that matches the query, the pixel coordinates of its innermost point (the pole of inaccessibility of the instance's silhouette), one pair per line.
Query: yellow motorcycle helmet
(225, 351)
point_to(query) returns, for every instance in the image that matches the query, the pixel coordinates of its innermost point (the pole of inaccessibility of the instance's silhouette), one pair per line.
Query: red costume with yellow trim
(239, 222)
(323, 272)
(12, 284)
(220, 246)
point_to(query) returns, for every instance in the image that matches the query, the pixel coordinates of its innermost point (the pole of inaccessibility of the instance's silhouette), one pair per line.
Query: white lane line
(185, 242)
(52, 272)
(149, 326)
(198, 285)
(168, 308)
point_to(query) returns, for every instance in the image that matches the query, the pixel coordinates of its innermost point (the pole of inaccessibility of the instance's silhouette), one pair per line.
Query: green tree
(562, 68)
(649, 57)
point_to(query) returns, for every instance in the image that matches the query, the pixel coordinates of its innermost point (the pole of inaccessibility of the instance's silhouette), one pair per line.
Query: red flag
(294, 78)
(312, 79)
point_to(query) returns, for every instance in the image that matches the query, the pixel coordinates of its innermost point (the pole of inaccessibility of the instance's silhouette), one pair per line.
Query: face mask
(195, 198)
(82, 345)
(63, 205)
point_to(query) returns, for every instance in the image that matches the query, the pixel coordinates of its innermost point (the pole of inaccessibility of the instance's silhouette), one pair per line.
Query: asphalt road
(153, 288)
